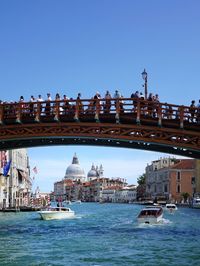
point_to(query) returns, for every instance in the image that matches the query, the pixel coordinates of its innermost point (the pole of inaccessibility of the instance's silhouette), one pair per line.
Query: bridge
(122, 122)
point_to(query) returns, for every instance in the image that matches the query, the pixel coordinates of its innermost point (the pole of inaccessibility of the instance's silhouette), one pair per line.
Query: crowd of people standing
(66, 105)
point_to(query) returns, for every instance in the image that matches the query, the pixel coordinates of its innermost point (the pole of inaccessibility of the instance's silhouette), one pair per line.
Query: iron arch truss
(140, 125)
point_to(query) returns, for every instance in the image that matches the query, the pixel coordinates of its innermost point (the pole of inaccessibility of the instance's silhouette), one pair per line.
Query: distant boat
(147, 203)
(196, 203)
(66, 202)
(57, 213)
(77, 201)
(171, 207)
(150, 215)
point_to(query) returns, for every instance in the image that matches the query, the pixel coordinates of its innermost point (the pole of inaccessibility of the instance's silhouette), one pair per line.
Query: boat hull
(150, 220)
(56, 215)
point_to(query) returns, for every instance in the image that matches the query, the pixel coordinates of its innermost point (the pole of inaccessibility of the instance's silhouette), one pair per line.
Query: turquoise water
(101, 234)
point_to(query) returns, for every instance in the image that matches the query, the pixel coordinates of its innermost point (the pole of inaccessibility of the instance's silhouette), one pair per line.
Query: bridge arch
(139, 125)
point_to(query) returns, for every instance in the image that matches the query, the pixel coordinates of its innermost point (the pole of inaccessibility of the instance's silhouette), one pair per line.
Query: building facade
(15, 185)
(169, 178)
(75, 186)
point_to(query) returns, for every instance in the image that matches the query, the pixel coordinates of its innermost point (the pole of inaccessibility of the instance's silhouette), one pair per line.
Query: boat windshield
(149, 212)
(58, 209)
(171, 206)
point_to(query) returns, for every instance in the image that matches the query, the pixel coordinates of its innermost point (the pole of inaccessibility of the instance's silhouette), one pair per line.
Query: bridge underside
(50, 141)
(170, 141)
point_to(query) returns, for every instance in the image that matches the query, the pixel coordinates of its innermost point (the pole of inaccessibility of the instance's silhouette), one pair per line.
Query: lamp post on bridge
(144, 76)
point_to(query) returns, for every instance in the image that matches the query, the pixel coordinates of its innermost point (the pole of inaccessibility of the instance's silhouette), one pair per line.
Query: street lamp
(144, 76)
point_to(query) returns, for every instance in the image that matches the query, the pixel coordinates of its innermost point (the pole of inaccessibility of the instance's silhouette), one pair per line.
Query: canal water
(101, 234)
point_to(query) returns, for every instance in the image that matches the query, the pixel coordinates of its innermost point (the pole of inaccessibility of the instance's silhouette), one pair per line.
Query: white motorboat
(196, 203)
(56, 213)
(76, 202)
(150, 215)
(171, 207)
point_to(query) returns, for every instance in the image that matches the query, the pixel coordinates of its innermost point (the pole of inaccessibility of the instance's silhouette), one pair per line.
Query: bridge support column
(57, 113)
(117, 118)
(181, 117)
(38, 112)
(96, 117)
(76, 116)
(138, 113)
(159, 113)
(19, 113)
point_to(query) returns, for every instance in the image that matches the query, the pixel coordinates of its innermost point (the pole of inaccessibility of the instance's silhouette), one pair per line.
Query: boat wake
(163, 221)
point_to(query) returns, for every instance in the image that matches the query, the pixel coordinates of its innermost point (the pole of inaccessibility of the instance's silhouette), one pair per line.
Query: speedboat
(56, 213)
(76, 201)
(150, 215)
(171, 207)
(196, 203)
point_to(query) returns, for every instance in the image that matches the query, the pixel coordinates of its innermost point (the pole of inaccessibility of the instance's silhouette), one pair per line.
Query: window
(165, 188)
(178, 189)
(193, 180)
(178, 177)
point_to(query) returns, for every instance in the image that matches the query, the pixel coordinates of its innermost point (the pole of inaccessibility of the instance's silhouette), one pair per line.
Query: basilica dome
(92, 173)
(74, 171)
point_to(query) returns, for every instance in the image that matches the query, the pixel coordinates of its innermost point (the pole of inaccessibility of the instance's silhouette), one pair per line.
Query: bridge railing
(122, 107)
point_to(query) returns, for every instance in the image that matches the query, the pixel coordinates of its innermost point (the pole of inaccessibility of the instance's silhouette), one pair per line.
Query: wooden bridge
(124, 122)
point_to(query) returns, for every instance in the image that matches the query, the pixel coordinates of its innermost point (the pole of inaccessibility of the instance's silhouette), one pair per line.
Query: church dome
(74, 171)
(92, 173)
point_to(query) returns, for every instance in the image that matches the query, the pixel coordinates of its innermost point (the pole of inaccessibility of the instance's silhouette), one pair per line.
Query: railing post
(181, 116)
(57, 111)
(19, 113)
(117, 106)
(97, 110)
(138, 112)
(38, 112)
(76, 116)
(159, 113)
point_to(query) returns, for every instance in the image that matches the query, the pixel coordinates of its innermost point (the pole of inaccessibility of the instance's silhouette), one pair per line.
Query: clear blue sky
(88, 45)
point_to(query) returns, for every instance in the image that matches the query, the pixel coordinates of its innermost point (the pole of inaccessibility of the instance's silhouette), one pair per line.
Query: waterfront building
(169, 178)
(100, 184)
(196, 182)
(127, 194)
(75, 186)
(16, 185)
(40, 198)
(108, 194)
(86, 191)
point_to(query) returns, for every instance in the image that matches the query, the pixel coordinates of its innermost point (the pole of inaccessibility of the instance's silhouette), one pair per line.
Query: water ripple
(100, 235)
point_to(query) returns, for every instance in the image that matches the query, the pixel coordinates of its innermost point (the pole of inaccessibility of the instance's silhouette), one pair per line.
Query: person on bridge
(39, 99)
(66, 105)
(192, 111)
(31, 105)
(150, 105)
(79, 103)
(117, 94)
(48, 104)
(97, 98)
(135, 96)
(107, 104)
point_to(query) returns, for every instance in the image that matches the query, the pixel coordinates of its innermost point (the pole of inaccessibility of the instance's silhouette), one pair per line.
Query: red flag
(35, 170)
